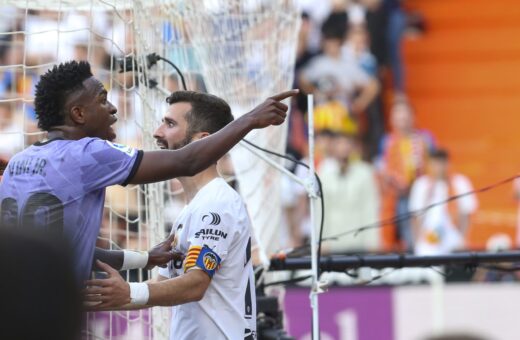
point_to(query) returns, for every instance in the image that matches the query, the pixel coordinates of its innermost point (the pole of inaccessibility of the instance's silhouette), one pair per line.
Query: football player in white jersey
(212, 289)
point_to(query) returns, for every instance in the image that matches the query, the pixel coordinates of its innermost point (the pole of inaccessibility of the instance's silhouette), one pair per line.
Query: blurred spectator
(331, 77)
(516, 188)
(396, 27)
(323, 147)
(41, 299)
(14, 81)
(303, 52)
(297, 136)
(75, 29)
(386, 23)
(441, 229)
(10, 130)
(295, 204)
(351, 198)
(194, 82)
(295, 200)
(97, 55)
(403, 156)
(303, 55)
(357, 49)
(333, 115)
(318, 12)
(16, 129)
(495, 244)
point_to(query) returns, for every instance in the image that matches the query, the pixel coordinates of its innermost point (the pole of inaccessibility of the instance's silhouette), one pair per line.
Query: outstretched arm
(161, 165)
(114, 292)
(186, 288)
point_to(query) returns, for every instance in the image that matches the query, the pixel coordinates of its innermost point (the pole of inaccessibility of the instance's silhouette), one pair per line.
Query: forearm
(114, 258)
(121, 259)
(158, 166)
(179, 290)
(201, 154)
(367, 95)
(193, 158)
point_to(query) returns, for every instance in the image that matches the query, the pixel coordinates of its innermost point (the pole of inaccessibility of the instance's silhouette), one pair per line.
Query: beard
(182, 143)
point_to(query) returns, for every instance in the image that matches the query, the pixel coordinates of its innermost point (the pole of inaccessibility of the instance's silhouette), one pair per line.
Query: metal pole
(315, 290)
(310, 186)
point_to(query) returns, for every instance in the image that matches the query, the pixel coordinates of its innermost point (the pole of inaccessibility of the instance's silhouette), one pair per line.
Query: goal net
(240, 50)
(245, 53)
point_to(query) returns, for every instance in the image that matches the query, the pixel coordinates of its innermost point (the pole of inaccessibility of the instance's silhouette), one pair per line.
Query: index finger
(286, 94)
(170, 238)
(106, 268)
(97, 283)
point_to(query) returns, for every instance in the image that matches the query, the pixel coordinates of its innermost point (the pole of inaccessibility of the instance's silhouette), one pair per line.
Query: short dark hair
(439, 154)
(335, 27)
(53, 89)
(208, 113)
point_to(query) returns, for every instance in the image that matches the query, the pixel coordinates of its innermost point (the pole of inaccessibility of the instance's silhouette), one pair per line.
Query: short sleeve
(417, 194)
(211, 232)
(104, 163)
(359, 76)
(467, 204)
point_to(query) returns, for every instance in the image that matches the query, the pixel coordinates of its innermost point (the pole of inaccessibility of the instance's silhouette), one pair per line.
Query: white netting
(245, 51)
(31, 41)
(242, 51)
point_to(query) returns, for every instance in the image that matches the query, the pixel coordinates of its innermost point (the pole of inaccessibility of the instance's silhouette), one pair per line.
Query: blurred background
(446, 112)
(415, 101)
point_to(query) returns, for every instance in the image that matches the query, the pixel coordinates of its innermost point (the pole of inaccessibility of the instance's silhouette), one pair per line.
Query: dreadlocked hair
(53, 89)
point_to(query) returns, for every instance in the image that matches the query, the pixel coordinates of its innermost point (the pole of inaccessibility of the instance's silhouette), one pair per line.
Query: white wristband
(139, 293)
(134, 259)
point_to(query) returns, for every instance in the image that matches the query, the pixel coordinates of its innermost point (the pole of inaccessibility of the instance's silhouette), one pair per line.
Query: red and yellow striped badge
(191, 258)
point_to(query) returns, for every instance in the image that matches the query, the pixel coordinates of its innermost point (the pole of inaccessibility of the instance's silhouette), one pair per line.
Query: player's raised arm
(197, 156)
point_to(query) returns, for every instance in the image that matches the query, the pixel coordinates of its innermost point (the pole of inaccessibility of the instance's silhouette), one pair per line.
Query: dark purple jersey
(59, 186)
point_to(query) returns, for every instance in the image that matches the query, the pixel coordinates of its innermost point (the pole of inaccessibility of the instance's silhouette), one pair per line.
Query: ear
(77, 115)
(200, 135)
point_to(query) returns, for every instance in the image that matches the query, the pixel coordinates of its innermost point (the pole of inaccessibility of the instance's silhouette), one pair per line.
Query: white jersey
(214, 232)
(439, 233)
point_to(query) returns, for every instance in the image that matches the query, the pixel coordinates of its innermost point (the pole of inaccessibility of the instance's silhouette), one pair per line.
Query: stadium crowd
(349, 57)
(373, 161)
